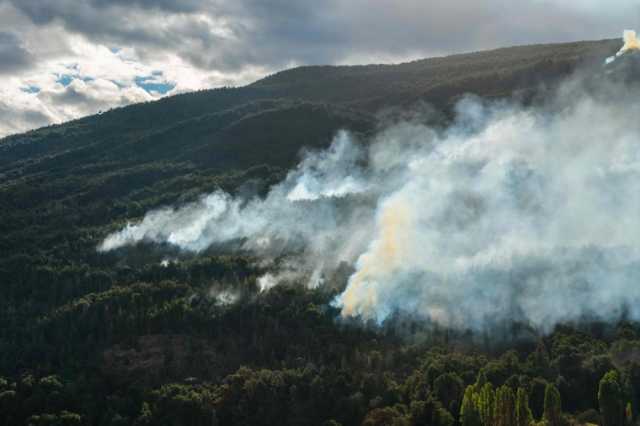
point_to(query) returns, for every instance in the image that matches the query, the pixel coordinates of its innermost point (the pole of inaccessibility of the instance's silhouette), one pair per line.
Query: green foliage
(449, 389)
(469, 413)
(387, 416)
(177, 405)
(524, 417)
(612, 398)
(552, 406)
(505, 407)
(486, 402)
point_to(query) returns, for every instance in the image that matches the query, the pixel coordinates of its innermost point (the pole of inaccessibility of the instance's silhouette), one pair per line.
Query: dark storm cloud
(75, 11)
(95, 20)
(13, 56)
(259, 33)
(166, 5)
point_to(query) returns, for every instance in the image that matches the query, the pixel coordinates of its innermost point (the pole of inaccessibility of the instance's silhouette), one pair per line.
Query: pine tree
(523, 412)
(552, 406)
(481, 379)
(469, 414)
(611, 398)
(485, 401)
(505, 407)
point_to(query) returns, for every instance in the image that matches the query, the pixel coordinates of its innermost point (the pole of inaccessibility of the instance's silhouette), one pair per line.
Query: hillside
(367, 89)
(121, 339)
(96, 168)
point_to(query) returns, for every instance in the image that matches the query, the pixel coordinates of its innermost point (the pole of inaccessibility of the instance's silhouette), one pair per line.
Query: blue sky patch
(153, 84)
(66, 79)
(30, 89)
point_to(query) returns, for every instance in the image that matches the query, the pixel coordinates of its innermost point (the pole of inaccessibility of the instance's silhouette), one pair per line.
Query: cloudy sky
(61, 59)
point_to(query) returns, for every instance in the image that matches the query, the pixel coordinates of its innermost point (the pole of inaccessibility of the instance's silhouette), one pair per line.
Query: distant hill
(438, 81)
(203, 126)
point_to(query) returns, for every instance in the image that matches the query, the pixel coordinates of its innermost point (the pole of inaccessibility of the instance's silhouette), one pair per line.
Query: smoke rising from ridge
(631, 43)
(511, 213)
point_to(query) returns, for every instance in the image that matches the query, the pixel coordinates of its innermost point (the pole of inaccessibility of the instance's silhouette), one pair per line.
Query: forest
(150, 335)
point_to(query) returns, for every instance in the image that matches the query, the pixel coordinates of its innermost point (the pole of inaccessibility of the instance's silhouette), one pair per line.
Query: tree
(537, 388)
(628, 412)
(469, 414)
(486, 404)
(611, 399)
(449, 388)
(505, 407)
(430, 412)
(387, 416)
(442, 417)
(552, 406)
(523, 412)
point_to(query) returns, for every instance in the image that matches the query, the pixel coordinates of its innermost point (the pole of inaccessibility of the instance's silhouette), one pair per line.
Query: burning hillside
(511, 213)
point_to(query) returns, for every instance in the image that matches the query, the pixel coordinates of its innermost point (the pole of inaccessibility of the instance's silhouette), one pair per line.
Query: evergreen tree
(628, 412)
(611, 399)
(481, 379)
(469, 414)
(485, 402)
(552, 406)
(523, 412)
(505, 407)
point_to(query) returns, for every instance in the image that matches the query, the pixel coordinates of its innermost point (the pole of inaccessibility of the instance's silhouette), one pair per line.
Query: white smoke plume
(512, 213)
(312, 213)
(631, 42)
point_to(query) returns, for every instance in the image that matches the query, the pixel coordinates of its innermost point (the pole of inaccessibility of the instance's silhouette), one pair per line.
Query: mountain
(120, 163)
(351, 93)
(101, 334)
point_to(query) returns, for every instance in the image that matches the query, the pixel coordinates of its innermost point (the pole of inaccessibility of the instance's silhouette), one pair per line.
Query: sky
(63, 59)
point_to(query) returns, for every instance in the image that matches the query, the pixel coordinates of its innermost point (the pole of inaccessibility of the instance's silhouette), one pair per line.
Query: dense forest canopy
(151, 334)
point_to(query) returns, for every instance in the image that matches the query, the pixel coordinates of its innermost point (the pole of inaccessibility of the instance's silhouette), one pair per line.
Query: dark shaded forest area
(90, 338)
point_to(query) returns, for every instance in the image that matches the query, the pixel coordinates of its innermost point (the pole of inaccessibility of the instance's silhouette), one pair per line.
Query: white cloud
(195, 44)
(74, 76)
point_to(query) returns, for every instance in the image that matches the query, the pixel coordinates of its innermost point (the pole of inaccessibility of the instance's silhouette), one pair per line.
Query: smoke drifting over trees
(510, 213)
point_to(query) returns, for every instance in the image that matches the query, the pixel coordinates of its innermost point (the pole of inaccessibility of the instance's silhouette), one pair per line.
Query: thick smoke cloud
(511, 213)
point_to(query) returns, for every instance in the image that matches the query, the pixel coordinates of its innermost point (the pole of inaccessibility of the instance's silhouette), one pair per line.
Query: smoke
(535, 217)
(512, 213)
(319, 215)
(631, 42)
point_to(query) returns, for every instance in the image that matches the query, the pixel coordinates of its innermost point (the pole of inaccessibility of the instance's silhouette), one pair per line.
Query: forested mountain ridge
(115, 339)
(437, 81)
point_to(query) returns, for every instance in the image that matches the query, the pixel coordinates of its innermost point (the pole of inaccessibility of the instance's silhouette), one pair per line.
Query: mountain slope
(120, 337)
(103, 168)
(369, 88)
(438, 81)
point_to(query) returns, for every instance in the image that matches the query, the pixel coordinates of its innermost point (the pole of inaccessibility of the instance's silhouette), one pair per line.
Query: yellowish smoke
(631, 41)
(386, 254)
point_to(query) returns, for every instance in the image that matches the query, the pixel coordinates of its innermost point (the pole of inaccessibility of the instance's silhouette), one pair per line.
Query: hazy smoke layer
(322, 211)
(529, 214)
